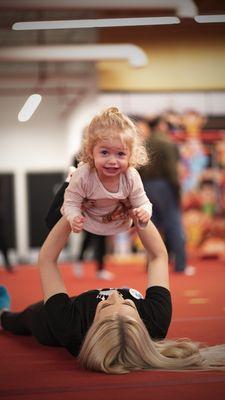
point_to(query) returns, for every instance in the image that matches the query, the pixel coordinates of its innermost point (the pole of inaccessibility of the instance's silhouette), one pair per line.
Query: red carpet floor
(31, 371)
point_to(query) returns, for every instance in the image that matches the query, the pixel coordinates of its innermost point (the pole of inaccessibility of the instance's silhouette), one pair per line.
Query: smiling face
(111, 158)
(116, 304)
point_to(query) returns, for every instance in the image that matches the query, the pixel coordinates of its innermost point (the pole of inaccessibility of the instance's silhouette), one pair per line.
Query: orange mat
(31, 371)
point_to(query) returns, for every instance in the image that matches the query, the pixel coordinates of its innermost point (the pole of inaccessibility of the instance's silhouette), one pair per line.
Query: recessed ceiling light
(205, 19)
(95, 23)
(29, 107)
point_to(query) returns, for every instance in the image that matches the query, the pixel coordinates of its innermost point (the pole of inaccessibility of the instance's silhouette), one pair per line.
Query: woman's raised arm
(158, 274)
(51, 279)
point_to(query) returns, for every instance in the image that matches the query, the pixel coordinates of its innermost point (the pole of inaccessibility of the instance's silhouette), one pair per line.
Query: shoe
(190, 270)
(4, 298)
(105, 275)
(78, 269)
(71, 170)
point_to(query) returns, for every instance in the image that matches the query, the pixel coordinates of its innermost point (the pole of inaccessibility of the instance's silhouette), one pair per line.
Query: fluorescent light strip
(94, 23)
(61, 53)
(29, 107)
(205, 19)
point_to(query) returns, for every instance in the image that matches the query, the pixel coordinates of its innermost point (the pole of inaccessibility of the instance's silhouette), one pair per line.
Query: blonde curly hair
(112, 123)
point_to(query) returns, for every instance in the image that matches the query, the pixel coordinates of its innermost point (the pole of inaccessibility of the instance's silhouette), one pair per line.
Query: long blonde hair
(120, 344)
(112, 123)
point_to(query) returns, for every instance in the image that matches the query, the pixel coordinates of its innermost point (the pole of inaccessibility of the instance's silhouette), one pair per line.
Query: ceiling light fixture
(89, 52)
(182, 8)
(94, 23)
(29, 107)
(206, 19)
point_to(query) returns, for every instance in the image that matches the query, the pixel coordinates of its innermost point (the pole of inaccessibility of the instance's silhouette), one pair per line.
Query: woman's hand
(77, 223)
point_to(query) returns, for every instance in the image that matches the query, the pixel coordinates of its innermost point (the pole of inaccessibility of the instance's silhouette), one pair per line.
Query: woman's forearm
(158, 274)
(51, 279)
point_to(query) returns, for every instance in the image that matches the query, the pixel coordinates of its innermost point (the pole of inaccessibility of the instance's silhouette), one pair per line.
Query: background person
(162, 185)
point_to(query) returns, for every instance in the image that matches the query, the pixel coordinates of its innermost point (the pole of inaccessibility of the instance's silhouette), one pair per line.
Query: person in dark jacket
(162, 185)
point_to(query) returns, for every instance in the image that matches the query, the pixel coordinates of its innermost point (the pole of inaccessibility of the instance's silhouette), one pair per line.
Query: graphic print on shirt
(136, 294)
(104, 293)
(121, 212)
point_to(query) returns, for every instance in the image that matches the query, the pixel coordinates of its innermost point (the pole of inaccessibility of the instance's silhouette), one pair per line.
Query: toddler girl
(106, 191)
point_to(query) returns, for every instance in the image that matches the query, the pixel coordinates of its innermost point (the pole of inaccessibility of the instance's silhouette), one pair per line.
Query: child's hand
(77, 223)
(142, 216)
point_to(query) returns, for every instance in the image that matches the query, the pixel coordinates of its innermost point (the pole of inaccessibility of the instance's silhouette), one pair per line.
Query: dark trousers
(4, 249)
(31, 321)
(167, 218)
(98, 242)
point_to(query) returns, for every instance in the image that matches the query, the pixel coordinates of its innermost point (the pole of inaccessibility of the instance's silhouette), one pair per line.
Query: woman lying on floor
(111, 330)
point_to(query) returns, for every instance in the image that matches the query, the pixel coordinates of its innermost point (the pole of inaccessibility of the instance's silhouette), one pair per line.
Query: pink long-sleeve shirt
(106, 213)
